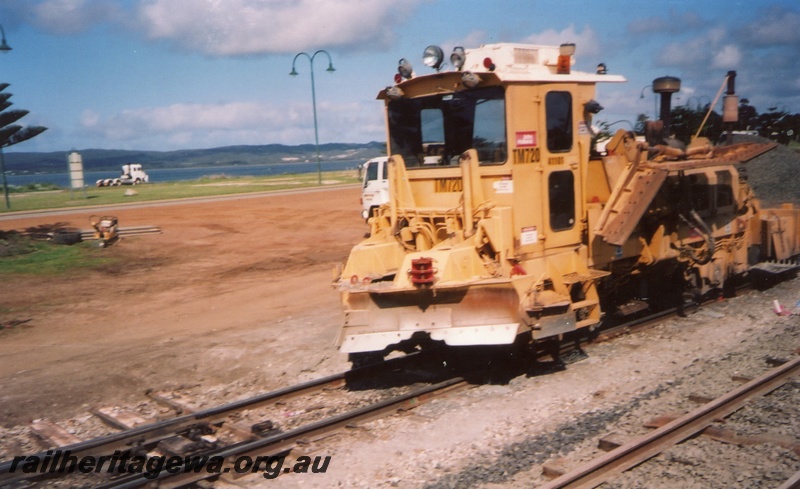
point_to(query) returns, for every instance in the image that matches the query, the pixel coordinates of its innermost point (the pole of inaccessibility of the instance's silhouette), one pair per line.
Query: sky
(187, 74)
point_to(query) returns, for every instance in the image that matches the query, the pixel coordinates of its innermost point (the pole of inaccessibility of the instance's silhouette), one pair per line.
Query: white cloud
(470, 40)
(671, 23)
(695, 51)
(70, 16)
(243, 27)
(777, 27)
(230, 27)
(180, 126)
(728, 57)
(712, 49)
(586, 42)
(89, 118)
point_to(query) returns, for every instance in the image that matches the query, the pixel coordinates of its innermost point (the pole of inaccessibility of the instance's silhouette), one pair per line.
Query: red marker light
(563, 67)
(488, 64)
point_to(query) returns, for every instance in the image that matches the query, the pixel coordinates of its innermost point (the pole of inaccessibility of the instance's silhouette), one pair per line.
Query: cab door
(561, 186)
(523, 109)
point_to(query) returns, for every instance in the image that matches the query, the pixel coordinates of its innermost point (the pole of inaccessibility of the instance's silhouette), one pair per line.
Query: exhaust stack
(666, 86)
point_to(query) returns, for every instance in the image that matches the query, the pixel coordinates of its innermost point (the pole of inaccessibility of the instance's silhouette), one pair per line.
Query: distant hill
(112, 159)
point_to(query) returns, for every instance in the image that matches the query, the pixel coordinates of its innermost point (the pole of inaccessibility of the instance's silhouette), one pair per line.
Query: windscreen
(435, 130)
(372, 173)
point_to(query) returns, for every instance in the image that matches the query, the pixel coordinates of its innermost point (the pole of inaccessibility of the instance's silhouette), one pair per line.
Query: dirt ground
(232, 290)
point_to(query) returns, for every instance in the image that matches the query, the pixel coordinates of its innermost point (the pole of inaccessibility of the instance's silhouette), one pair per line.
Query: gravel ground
(773, 175)
(499, 436)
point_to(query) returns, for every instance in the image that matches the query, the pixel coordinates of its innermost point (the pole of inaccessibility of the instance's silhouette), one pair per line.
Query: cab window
(724, 189)
(435, 130)
(372, 173)
(561, 195)
(699, 192)
(558, 107)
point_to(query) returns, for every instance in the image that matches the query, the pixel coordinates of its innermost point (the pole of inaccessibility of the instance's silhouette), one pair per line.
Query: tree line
(774, 124)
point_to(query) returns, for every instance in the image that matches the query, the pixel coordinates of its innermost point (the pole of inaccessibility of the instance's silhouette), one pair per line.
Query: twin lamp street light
(314, 98)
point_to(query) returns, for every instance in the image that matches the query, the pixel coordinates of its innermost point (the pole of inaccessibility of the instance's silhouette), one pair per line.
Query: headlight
(458, 58)
(470, 79)
(404, 68)
(433, 57)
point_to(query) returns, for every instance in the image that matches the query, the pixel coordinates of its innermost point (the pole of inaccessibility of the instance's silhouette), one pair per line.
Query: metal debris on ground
(782, 311)
(12, 323)
(107, 230)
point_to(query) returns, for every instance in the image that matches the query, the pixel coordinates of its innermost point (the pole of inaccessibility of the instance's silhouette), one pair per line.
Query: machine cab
(525, 114)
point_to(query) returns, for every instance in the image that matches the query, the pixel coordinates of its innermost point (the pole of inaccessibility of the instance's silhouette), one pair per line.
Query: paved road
(9, 216)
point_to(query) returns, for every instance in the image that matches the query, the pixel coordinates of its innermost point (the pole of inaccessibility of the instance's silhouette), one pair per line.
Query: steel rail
(283, 442)
(792, 483)
(154, 432)
(637, 451)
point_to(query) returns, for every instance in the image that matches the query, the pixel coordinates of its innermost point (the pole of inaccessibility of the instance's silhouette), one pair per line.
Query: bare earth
(231, 289)
(234, 298)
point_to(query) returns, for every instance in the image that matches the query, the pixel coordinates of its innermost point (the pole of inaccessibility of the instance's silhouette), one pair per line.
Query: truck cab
(133, 174)
(374, 186)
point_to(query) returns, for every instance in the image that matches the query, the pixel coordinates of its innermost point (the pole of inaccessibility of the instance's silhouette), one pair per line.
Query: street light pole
(4, 48)
(655, 108)
(314, 98)
(5, 184)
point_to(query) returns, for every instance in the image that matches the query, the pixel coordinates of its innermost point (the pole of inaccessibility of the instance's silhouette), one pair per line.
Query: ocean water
(177, 174)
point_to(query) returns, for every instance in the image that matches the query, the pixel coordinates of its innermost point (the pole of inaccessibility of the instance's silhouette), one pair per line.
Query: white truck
(132, 174)
(375, 185)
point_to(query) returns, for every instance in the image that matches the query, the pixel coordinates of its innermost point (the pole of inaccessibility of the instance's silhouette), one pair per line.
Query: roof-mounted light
(601, 69)
(592, 106)
(404, 68)
(433, 57)
(565, 52)
(458, 58)
(488, 64)
(394, 93)
(470, 79)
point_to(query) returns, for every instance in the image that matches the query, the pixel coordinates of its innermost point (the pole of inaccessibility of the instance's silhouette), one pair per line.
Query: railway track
(188, 430)
(638, 451)
(281, 443)
(214, 433)
(125, 231)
